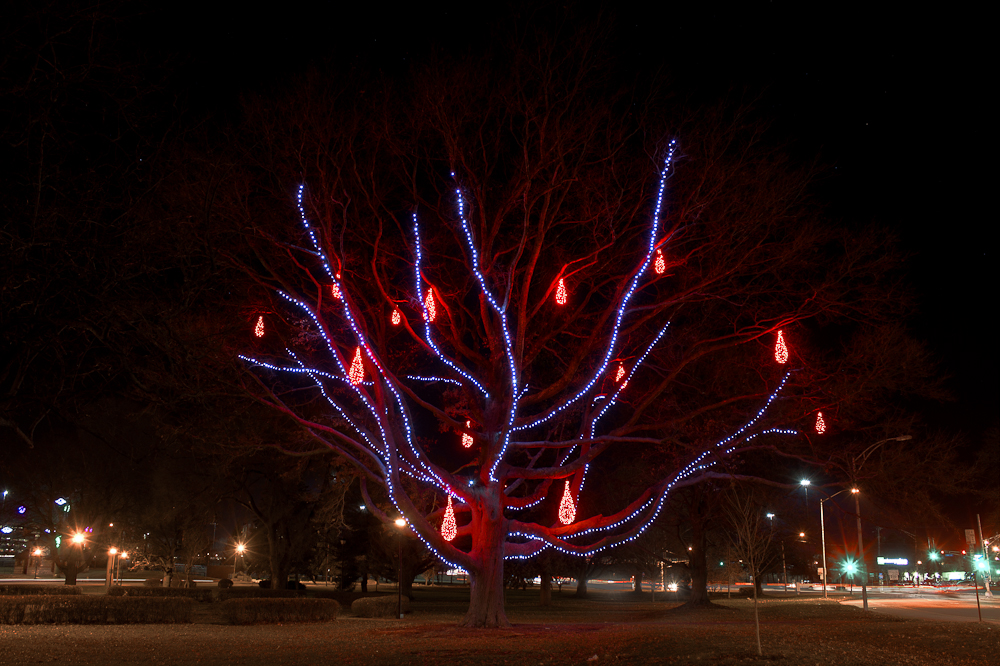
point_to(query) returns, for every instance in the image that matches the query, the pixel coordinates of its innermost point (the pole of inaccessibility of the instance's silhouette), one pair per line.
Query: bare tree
(504, 264)
(751, 539)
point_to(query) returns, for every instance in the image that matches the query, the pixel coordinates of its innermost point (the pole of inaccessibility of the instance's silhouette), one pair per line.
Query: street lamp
(239, 551)
(822, 530)
(856, 465)
(38, 556)
(400, 523)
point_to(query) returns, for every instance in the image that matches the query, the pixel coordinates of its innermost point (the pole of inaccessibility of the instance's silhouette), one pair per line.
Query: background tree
(751, 539)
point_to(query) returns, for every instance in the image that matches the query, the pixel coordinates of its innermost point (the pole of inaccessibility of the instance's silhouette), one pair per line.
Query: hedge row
(273, 611)
(83, 609)
(198, 594)
(38, 589)
(386, 606)
(205, 593)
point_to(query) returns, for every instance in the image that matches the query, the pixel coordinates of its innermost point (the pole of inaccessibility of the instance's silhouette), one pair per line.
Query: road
(960, 608)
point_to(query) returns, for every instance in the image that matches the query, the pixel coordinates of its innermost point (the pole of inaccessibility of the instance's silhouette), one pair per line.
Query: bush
(83, 609)
(220, 594)
(225, 583)
(378, 606)
(153, 582)
(272, 611)
(204, 594)
(39, 589)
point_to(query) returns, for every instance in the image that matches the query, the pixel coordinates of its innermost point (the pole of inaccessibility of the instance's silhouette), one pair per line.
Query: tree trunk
(581, 587)
(698, 563)
(546, 589)
(486, 577)
(756, 617)
(637, 582)
(279, 572)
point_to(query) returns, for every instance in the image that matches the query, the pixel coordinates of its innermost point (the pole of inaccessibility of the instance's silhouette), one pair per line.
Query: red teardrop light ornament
(466, 437)
(335, 289)
(780, 349)
(620, 373)
(396, 317)
(357, 372)
(561, 292)
(567, 508)
(258, 330)
(660, 264)
(820, 423)
(430, 310)
(449, 530)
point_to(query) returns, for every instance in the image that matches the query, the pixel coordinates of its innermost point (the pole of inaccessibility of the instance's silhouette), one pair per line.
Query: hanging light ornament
(567, 508)
(396, 317)
(430, 311)
(335, 288)
(466, 437)
(561, 292)
(357, 372)
(660, 264)
(780, 350)
(449, 530)
(620, 373)
(820, 423)
(258, 330)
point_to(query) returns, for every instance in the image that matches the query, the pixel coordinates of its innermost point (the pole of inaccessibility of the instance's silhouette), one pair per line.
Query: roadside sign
(970, 537)
(893, 574)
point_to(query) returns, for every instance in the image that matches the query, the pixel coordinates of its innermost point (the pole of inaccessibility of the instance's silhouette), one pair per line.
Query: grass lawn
(607, 628)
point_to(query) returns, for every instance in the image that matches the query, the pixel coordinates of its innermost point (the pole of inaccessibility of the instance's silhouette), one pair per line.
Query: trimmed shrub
(225, 583)
(39, 589)
(378, 606)
(85, 609)
(219, 594)
(153, 582)
(273, 611)
(203, 594)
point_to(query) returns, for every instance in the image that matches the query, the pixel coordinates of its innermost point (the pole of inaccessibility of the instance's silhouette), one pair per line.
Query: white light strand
(626, 299)
(508, 346)
(427, 326)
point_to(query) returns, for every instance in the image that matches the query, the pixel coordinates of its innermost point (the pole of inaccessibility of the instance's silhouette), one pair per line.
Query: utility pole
(861, 552)
(986, 558)
(784, 572)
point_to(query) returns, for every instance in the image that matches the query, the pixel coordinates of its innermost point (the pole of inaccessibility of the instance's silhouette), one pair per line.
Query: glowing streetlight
(239, 551)
(400, 523)
(78, 538)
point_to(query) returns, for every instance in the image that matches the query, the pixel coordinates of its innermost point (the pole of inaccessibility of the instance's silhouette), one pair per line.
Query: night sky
(891, 103)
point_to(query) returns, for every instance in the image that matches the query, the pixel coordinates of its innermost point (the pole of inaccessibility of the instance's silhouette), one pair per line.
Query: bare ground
(606, 629)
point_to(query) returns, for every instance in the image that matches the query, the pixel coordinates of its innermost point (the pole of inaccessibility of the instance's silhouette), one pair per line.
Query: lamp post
(861, 550)
(856, 464)
(822, 531)
(784, 571)
(239, 551)
(400, 523)
(37, 553)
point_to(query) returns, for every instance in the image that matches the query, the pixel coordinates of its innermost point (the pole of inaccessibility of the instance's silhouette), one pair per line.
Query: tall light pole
(861, 550)
(239, 551)
(856, 465)
(822, 531)
(400, 523)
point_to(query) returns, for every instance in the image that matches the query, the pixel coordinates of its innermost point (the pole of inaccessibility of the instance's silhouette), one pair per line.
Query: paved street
(940, 609)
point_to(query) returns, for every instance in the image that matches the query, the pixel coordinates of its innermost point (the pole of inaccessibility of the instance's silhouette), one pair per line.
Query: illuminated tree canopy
(525, 278)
